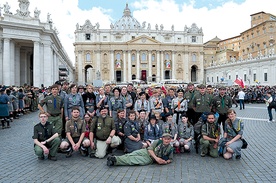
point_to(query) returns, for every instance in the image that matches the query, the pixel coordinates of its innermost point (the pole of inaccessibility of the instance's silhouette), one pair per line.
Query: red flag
(164, 90)
(239, 82)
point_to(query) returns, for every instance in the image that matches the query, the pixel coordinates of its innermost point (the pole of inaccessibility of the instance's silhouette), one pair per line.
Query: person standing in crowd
(75, 129)
(156, 104)
(115, 103)
(46, 140)
(4, 108)
(202, 102)
(268, 100)
(179, 106)
(89, 100)
(189, 95)
(132, 93)
(71, 100)
(233, 132)
(128, 99)
(241, 95)
(61, 93)
(210, 137)
(101, 100)
(12, 98)
(65, 87)
(107, 91)
(221, 104)
(233, 94)
(170, 127)
(119, 124)
(152, 131)
(103, 130)
(81, 90)
(131, 130)
(21, 101)
(54, 105)
(185, 134)
(160, 152)
(167, 101)
(142, 104)
(142, 122)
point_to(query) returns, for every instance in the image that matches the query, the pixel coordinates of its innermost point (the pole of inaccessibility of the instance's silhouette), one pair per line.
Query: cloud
(225, 21)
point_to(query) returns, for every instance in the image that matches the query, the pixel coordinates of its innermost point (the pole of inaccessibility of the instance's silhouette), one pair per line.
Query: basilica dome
(127, 21)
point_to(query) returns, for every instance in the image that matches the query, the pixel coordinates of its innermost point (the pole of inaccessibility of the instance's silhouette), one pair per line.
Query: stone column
(162, 66)
(6, 63)
(186, 68)
(23, 67)
(129, 66)
(201, 71)
(111, 71)
(80, 79)
(150, 65)
(125, 67)
(138, 65)
(1, 61)
(36, 69)
(12, 63)
(48, 65)
(158, 66)
(173, 65)
(29, 74)
(17, 66)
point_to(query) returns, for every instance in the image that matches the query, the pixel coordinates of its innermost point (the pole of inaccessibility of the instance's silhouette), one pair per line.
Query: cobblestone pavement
(258, 163)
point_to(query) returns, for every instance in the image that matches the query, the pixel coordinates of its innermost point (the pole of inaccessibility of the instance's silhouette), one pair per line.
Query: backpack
(272, 104)
(202, 120)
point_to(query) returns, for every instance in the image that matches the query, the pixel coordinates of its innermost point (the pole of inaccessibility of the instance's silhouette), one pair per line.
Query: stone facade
(249, 56)
(30, 51)
(130, 50)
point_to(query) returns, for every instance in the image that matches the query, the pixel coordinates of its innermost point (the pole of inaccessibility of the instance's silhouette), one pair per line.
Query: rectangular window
(153, 65)
(132, 37)
(118, 38)
(217, 79)
(208, 79)
(133, 65)
(265, 76)
(179, 39)
(212, 79)
(244, 77)
(153, 37)
(229, 77)
(87, 36)
(254, 77)
(193, 39)
(105, 38)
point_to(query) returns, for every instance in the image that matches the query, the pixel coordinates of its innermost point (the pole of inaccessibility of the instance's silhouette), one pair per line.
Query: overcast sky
(222, 18)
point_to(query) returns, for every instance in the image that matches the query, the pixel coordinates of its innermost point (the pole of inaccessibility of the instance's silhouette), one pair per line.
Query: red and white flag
(240, 82)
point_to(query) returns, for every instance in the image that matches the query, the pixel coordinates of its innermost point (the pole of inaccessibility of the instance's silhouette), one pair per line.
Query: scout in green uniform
(189, 95)
(46, 140)
(54, 105)
(210, 137)
(160, 152)
(75, 129)
(202, 102)
(103, 130)
(221, 104)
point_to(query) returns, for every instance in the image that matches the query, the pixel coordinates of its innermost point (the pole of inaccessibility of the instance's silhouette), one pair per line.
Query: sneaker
(69, 154)
(202, 154)
(53, 158)
(92, 155)
(83, 152)
(111, 160)
(238, 157)
(182, 149)
(269, 121)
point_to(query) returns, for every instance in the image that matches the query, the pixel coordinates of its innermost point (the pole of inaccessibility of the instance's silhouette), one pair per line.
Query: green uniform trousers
(206, 146)
(52, 146)
(138, 157)
(56, 121)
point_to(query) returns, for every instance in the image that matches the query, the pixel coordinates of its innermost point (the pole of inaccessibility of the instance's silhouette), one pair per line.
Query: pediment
(143, 40)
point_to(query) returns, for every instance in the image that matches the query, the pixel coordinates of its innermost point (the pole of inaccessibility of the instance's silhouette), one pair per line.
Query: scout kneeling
(46, 140)
(160, 151)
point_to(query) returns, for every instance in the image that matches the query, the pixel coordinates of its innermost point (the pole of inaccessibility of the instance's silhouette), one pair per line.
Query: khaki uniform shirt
(202, 103)
(50, 103)
(42, 133)
(101, 127)
(76, 128)
(161, 150)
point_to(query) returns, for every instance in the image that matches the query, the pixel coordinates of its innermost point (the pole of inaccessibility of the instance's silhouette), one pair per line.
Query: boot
(8, 123)
(3, 124)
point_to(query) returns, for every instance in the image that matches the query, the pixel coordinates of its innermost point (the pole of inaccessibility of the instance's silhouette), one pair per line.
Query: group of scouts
(147, 126)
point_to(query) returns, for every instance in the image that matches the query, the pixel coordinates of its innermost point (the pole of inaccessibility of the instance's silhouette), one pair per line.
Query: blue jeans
(269, 109)
(241, 104)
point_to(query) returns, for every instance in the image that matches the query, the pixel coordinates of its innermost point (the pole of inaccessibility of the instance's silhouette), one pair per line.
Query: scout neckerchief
(55, 103)
(222, 102)
(46, 135)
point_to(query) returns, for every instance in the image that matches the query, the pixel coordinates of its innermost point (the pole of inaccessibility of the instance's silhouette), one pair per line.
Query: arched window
(133, 57)
(194, 57)
(153, 57)
(133, 76)
(153, 78)
(105, 57)
(167, 57)
(118, 56)
(88, 57)
(144, 57)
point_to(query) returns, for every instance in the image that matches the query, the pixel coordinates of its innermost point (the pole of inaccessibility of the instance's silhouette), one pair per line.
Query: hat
(180, 90)
(168, 114)
(80, 87)
(166, 135)
(190, 84)
(201, 86)
(58, 83)
(152, 117)
(222, 88)
(3, 89)
(103, 108)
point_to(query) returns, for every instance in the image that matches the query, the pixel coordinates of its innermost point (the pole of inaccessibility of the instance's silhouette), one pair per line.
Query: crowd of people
(148, 124)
